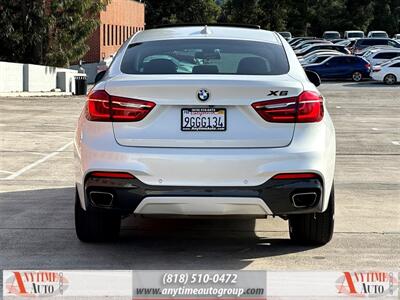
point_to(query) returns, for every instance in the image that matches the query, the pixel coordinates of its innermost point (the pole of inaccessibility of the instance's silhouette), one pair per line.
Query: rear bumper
(274, 197)
(214, 173)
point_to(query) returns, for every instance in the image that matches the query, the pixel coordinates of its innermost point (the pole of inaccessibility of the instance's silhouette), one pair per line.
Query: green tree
(364, 14)
(386, 16)
(180, 11)
(274, 14)
(242, 12)
(70, 24)
(47, 32)
(23, 31)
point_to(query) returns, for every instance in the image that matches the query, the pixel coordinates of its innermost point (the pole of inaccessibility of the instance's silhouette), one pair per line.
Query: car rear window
(331, 35)
(205, 56)
(355, 34)
(371, 42)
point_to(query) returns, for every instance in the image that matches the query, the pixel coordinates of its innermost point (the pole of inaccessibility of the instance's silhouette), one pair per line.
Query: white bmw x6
(205, 121)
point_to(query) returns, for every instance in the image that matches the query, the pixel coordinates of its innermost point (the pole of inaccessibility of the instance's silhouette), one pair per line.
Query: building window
(108, 34)
(112, 35)
(119, 35)
(104, 34)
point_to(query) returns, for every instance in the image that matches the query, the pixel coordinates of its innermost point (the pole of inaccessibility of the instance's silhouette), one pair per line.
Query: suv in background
(331, 35)
(378, 57)
(342, 67)
(286, 35)
(361, 44)
(354, 34)
(377, 34)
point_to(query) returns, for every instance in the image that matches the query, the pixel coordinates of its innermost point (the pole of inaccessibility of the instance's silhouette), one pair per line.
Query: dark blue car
(342, 67)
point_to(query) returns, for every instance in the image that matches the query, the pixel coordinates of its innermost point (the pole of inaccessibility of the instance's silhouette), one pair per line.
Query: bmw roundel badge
(203, 95)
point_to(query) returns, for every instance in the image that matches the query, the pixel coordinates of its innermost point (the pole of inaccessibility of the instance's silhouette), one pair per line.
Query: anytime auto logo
(36, 283)
(368, 284)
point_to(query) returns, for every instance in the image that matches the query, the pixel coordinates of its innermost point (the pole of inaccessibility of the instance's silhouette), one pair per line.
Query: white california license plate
(203, 119)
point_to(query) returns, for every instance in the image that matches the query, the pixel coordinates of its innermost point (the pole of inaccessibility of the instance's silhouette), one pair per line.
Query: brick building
(119, 21)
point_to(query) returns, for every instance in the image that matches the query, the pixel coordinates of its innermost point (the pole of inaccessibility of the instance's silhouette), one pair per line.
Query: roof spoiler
(209, 24)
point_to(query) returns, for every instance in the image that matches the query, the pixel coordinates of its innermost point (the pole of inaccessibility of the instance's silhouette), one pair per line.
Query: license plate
(203, 119)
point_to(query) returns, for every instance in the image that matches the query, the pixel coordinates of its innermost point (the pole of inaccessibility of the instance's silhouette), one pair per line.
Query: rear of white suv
(205, 121)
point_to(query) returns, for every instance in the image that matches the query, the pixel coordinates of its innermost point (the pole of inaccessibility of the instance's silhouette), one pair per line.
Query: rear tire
(314, 229)
(390, 79)
(95, 226)
(357, 76)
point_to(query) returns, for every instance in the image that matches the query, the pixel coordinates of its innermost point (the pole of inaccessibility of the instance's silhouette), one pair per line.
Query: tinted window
(355, 35)
(386, 55)
(332, 35)
(394, 44)
(396, 65)
(373, 42)
(320, 59)
(379, 34)
(338, 60)
(205, 56)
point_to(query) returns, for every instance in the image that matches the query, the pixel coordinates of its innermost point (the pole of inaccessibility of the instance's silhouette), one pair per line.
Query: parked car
(294, 41)
(318, 51)
(307, 43)
(235, 136)
(319, 58)
(354, 34)
(377, 34)
(286, 35)
(396, 36)
(331, 35)
(361, 44)
(335, 41)
(373, 49)
(388, 72)
(311, 48)
(380, 56)
(347, 43)
(342, 67)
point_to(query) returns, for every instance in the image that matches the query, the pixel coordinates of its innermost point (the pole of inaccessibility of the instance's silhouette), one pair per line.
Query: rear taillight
(368, 66)
(295, 176)
(107, 108)
(118, 175)
(306, 108)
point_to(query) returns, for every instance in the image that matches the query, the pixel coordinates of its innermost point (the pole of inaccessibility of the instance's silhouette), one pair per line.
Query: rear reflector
(306, 108)
(296, 176)
(112, 175)
(106, 108)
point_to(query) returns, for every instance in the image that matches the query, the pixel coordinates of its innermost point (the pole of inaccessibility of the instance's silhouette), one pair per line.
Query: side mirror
(314, 78)
(99, 76)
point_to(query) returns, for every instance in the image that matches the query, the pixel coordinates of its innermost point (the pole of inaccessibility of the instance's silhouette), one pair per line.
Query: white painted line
(338, 107)
(375, 129)
(1, 171)
(397, 143)
(39, 161)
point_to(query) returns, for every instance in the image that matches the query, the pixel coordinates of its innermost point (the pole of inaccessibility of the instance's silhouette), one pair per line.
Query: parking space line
(2, 171)
(39, 161)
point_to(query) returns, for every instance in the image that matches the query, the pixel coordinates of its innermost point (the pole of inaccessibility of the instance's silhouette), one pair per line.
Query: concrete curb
(36, 94)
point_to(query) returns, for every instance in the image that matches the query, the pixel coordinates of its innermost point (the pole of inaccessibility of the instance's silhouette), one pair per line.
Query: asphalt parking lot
(36, 199)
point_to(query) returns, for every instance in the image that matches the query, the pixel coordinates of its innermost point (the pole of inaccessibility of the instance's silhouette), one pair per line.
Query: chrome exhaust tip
(304, 200)
(101, 199)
